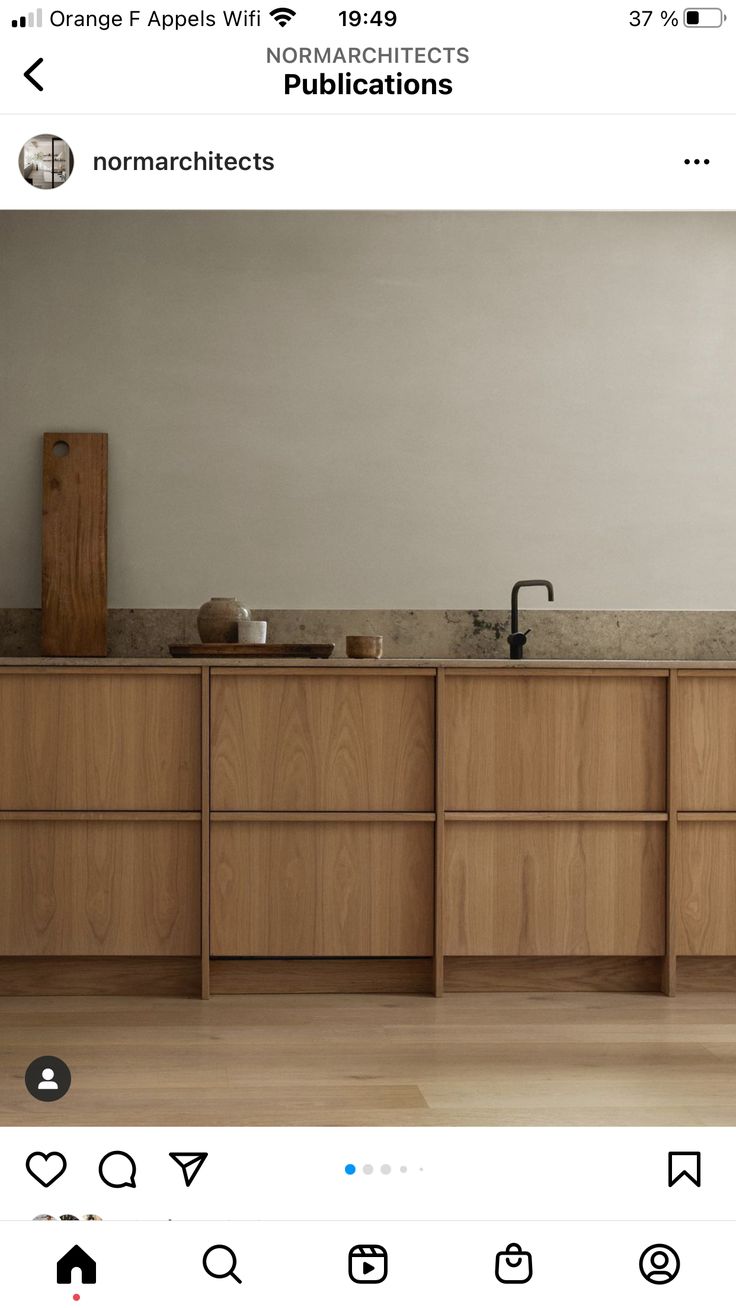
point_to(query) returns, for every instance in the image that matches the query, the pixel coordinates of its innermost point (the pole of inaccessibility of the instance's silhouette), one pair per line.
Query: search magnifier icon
(220, 1267)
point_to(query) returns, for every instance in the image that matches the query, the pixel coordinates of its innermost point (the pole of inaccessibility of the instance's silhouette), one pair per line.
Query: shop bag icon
(513, 1265)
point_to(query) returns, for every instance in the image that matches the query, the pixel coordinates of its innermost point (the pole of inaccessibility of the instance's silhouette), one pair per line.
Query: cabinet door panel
(322, 743)
(707, 742)
(110, 740)
(706, 880)
(99, 888)
(322, 889)
(554, 888)
(534, 743)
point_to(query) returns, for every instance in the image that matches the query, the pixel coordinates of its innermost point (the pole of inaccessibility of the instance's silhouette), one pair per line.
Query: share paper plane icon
(190, 1165)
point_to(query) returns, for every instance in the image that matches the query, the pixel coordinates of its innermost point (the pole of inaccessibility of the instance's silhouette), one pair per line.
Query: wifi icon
(282, 15)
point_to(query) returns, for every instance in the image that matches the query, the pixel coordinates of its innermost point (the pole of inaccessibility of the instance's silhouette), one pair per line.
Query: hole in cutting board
(60, 449)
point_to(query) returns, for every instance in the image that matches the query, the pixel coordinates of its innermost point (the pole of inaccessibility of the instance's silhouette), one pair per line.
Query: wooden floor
(377, 1061)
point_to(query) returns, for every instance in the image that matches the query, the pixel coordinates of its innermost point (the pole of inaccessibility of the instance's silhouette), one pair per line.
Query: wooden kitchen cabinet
(238, 829)
(99, 888)
(304, 889)
(323, 741)
(706, 891)
(554, 888)
(126, 739)
(533, 742)
(707, 742)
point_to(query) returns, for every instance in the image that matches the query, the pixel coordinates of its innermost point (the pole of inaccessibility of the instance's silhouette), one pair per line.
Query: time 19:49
(357, 18)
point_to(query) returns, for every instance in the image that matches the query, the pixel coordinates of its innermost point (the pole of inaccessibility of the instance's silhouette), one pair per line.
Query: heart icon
(46, 1168)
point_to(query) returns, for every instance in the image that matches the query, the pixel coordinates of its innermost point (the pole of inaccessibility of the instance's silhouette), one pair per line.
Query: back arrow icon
(32, 80)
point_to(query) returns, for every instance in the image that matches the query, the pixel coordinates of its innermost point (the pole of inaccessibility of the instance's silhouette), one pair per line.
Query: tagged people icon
(48, 1078)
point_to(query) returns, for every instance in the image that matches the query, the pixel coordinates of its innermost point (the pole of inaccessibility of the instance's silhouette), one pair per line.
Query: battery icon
(703, 17)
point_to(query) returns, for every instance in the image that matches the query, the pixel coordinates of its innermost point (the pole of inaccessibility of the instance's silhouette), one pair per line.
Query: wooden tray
(251, 651)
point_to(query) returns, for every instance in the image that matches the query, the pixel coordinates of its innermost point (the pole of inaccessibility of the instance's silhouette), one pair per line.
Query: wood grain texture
(368, 1060)
(163, 977)
(534, 741)
(102, 889)
(539, 889)
(322, 889)
(526, 667)
(508, 815)
(93, 815)
(342, 815)
(71, 740)
(101, 667)
(321, 976)
(555, 975)
(720, 815)
(337, 667)
(701, 974)
(706, 901)
(706, 741)
(205, 837)
(439, 837)
(322, 742)
(669, 964)
(74, 544)
(422, 667)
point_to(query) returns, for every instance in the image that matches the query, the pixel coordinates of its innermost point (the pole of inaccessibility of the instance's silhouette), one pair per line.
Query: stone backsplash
(423, 633)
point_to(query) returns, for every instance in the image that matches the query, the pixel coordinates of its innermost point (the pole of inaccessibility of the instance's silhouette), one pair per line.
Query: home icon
(76, 1260)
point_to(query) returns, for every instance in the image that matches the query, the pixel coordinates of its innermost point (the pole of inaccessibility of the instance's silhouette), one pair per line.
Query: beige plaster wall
(380, 411)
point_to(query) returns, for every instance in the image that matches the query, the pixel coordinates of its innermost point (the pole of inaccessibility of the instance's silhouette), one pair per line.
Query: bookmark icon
(683, 1164)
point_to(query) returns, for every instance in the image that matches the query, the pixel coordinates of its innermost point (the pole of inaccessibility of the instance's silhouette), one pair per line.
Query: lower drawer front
(322, 889)
(554, 888)
(706, 878)
(100, 888)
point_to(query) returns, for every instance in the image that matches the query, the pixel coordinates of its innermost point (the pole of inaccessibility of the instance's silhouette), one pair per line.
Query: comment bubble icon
(117, 1169)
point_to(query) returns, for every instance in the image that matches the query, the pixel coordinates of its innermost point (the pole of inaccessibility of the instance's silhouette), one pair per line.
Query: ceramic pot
(364, 647)
(217, 621)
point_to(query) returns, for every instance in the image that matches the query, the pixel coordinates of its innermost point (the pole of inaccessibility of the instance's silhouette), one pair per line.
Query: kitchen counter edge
(375, 664)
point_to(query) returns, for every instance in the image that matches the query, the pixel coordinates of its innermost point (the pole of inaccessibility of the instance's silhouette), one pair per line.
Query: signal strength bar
(33, 20)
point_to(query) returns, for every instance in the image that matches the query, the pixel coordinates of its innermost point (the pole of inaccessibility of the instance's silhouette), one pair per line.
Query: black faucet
(517, 639)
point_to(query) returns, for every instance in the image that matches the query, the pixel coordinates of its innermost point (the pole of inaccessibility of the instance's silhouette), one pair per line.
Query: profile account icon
(659, 1264)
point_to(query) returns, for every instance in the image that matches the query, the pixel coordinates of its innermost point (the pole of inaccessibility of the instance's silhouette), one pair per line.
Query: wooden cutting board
(74, 547)
(302, 651)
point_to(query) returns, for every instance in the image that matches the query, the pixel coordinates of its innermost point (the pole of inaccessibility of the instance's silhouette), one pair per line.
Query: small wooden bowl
(364, 647)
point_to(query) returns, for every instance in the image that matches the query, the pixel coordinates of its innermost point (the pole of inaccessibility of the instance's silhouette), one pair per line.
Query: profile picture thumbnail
(46, 161)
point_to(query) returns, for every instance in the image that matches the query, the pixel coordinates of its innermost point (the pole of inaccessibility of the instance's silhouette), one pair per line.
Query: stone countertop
(409, 635)
(182, 664)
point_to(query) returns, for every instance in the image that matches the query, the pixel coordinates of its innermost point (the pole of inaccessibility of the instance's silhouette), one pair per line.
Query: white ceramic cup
(252, 633)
